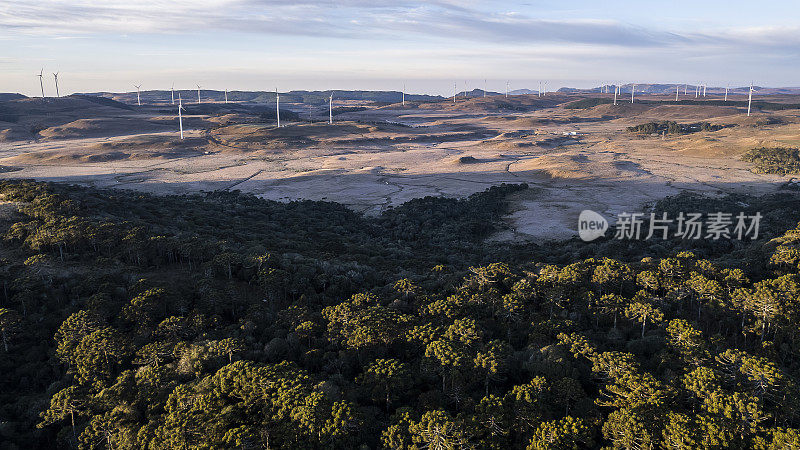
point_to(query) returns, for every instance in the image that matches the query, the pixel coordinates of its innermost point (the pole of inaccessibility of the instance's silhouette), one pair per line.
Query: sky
(110, 45)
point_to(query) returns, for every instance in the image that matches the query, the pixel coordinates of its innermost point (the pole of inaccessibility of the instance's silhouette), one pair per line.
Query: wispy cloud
(348, 18)
(375, 19)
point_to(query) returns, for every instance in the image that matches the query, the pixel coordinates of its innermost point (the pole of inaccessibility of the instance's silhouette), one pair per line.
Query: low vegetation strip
(776, 160)
(671, 127)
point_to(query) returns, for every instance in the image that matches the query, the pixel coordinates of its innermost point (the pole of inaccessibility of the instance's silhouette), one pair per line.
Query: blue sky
(378, 44)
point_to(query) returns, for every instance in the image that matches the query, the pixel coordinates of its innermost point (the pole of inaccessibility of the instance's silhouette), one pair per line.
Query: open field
(379, 155)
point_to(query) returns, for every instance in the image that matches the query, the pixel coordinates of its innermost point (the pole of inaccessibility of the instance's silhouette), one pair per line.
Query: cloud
(514, 29)
(399, 21)
(58, 17)
(347, 18)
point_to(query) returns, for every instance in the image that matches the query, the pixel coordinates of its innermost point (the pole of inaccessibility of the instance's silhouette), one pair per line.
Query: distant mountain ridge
(685, 89)
(307, 97)
(4, 97)
(321, 97)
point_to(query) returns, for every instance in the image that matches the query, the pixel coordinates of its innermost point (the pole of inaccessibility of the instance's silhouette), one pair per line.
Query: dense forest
(222, 320)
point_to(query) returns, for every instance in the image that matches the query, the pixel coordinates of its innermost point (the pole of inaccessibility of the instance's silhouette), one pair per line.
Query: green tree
(686, 340)
(436, 430)
(74, 328)
(565, 434)
(66, 403)
(627, 430)
(492, 361)
(387, 377)
(642, 312)
(9, 322)
(98, 355)
(680, 432)
(490, 424)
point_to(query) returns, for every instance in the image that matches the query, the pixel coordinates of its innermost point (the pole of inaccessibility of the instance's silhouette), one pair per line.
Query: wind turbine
(330, 109)
(506, 89)
(226, 96)
(180, 117)
(277, 106)
(685, 89)
(455, 89)
(55, 75)
(41, 83)
(540, 88)
(750, 99)
(726, 93)
(633, 90)
(404, 94)
(677, 92)
(545, 88)
(484, 88)
(173, 93)
(704, 89)
(616, 91)
(138, 98)
(198, 93)
(465, 89)
(697, 91)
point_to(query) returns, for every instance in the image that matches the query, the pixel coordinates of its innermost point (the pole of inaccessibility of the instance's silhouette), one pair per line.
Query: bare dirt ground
(385, 155)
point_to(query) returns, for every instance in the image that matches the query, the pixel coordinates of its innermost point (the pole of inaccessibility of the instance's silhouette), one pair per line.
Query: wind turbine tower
(138, 98)
(506, 89)
(484, 88)
(55, 76)
(677, 92)
(633, 89)
(404, 94)
(750, 100)
(226, 96)
(198, 93)
(173, 94)
(41, 83)
(616, 91)
(704, 89)
(180, 117)
(330, 109)
(455, 91)
(278, 106)
(726, 93)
